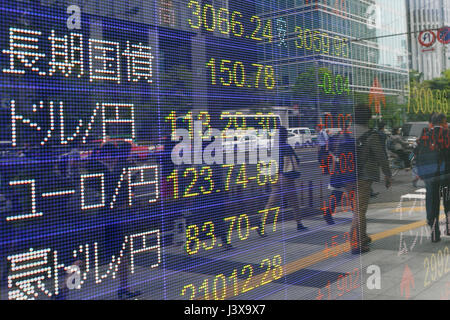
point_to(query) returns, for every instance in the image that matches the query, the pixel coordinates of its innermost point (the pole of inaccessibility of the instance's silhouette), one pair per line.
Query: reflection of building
(324, 50)
(426, 15)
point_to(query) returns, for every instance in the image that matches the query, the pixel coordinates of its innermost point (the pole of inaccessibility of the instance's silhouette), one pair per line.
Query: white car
(249, 138)
(333, 131)
(300, 137)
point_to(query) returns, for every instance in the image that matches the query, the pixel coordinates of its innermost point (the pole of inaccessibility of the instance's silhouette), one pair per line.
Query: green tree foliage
(421, 99)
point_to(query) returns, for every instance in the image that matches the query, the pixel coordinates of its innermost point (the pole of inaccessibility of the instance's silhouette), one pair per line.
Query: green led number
(207, 178)
(300, 36)
(192, 184)
(209, 225)
(273, 169)
(223, 68)
(339, 84)
(223, 279)
(262, 171)
(277, 267)
(212, 27)
(337, 46)
(192, 238)
(269, 79)
(239, 65)
(258, 73)
(316, 36)
(444, 102)
(223, 21)
(267, 32)
(258, 26)
(326, 43)
(430, 101)
(347, 86)
(438, 101)
(416, 100)
(189, 286)
(196, 13)
(242, 176)
(327, 83)
(345, 45)
(236, 24)
(422, 95)
(212, 65)
(310, 39)
(246, 226)
(174, 176)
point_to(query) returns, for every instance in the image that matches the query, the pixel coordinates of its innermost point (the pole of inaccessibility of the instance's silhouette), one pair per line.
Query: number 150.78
(235, 74)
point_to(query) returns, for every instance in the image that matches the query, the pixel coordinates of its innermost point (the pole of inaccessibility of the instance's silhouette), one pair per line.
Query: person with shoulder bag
(369, 158)
(433, 166)
(288, 173)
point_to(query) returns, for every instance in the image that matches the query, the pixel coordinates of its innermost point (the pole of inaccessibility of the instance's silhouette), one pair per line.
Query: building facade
(333, 49)
(431, 57)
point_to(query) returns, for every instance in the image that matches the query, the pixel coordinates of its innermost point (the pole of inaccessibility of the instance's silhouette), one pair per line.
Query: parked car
(300, 137)
(138, 152)
(248, 138)
(333, 131)
(313, 136)
(412, 130)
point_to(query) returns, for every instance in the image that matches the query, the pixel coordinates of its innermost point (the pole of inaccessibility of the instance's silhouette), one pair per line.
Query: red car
(137, 152)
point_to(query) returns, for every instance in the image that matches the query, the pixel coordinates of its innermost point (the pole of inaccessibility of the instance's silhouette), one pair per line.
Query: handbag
(291, 167)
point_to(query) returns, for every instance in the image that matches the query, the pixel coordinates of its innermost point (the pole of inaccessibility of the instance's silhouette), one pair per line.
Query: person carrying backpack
(288, 172)
(370, 156)
(433, 167)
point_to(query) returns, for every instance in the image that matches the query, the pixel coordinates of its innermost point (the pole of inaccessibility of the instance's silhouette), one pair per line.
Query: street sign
(427, 38)
(376, 96)
(443, 35)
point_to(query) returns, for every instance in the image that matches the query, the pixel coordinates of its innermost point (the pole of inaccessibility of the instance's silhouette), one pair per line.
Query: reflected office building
(117, 118)
(330, 52)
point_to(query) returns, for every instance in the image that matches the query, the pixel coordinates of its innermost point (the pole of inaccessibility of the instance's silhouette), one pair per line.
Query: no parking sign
(443, 35)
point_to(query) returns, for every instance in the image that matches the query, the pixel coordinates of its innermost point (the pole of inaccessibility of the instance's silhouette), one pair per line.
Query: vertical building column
(199, 81)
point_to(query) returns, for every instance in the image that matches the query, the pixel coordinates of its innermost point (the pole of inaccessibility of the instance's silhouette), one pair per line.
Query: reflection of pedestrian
(399, 146)
(416, 176)
(370, 157)
(383, 141)
(337, 178)
(172, 207)
(446, 185)
(111, 160)
(9, 205)
(432, 163)
(212, 204)
(383, 135)
(288, 164)
(322, 140)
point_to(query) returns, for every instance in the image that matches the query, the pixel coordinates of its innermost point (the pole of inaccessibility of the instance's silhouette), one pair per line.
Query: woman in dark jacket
(285, 185)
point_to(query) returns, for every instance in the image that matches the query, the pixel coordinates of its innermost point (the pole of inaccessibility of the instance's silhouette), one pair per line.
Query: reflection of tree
(176, 88)
(304, 86)
(418, 85)
(392, 113)
(306, 90)
(441, 83)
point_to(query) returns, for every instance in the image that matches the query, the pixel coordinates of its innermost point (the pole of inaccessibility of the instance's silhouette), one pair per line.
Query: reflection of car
(313, 136)
(299, 137)
(412, 130)
(137, 152)
(333, 131)
(248, 138)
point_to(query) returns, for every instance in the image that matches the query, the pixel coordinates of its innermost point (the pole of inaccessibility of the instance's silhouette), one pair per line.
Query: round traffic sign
(427, 38)
(443, 35)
